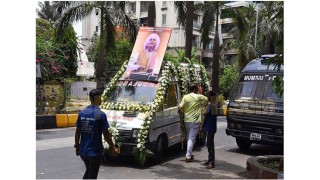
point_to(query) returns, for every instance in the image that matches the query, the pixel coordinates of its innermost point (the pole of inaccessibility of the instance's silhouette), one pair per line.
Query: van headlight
(135, 132)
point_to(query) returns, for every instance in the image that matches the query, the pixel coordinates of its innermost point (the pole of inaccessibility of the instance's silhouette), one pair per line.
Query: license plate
(255, 136)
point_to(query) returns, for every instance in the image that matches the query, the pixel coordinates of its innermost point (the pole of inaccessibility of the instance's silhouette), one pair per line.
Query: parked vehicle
(255, 111)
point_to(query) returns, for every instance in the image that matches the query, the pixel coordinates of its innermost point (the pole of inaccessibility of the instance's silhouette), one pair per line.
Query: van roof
(261, 65)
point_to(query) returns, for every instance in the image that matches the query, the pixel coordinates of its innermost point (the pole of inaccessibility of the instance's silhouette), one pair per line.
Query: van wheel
(158, 151)
(243, 144)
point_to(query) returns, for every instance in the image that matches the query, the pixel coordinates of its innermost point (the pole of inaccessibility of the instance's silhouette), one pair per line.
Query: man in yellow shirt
(190, 109)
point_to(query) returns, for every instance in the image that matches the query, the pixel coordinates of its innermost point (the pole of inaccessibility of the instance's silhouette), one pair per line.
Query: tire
(243, 144)
(158, 151)
(201, 139)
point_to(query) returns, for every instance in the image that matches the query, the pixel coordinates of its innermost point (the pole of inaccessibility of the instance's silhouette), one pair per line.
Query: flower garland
(116, 138)
(141, 152)
(113, 82)
(204, 78)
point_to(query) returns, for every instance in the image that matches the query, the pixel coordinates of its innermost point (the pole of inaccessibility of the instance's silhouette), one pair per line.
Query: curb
(256, 171)
(56, 121)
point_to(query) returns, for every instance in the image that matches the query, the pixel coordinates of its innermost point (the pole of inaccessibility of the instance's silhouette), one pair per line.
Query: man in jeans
(91, 123)
(190, 110)
(210, 124)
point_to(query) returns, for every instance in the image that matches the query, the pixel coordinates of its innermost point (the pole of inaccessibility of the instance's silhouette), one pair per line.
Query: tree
(227, 79)
(112, 13)
(211, 11)
(47, 12)
(185, 10)
(244, 19)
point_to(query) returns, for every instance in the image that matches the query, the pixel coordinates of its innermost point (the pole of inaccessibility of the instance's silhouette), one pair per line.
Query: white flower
(138, 145)
(149, 118)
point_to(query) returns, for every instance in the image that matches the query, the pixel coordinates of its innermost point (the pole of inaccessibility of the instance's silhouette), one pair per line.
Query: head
(152, 42)
(212, 96)
(194, 88)
(95, 97)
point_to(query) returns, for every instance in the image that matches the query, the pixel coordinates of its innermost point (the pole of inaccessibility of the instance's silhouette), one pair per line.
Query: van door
(171, 116)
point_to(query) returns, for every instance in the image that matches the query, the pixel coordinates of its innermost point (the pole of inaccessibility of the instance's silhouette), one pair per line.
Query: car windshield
(258, 87)
(134, 92)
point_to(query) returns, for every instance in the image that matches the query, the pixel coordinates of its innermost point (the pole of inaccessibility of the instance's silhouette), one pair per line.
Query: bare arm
(77, 141)
(107, 137)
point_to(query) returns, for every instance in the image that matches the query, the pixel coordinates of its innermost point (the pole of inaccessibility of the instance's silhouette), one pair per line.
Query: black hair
(194, 87)
(95, 92)
(211, 93)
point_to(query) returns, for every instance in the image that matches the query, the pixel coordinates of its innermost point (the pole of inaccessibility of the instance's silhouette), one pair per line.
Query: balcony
(196, 24)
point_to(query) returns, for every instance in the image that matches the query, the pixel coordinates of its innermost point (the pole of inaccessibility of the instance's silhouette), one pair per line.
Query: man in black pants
(210, 124)
(91, 123)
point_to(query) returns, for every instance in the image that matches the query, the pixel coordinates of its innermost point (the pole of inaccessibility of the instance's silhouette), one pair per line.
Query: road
(56, 159)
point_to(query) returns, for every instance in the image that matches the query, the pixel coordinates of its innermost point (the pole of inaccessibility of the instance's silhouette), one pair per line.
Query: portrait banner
(147, 54)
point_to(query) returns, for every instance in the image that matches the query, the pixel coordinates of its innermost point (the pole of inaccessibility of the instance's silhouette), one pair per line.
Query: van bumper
(265, 138)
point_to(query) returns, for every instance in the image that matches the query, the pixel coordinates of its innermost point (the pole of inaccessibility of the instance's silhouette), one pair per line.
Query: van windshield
(134, 92)
(256, 87)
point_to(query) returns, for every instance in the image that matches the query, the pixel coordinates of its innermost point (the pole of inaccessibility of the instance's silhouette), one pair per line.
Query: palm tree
(271, 26)
(211, 12)
(185, 11)
(151, 14)
(112, 13)
(47, 12)
(244, 19)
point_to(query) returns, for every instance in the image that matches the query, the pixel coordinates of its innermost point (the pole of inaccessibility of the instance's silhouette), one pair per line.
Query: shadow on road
(259, 150)
(174, 152)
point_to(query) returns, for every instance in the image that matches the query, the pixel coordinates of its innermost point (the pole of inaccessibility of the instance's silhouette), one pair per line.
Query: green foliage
(227, 79)
(57, 55)
(114, 58)
(141, 156)
(69, 45)
(44, 30)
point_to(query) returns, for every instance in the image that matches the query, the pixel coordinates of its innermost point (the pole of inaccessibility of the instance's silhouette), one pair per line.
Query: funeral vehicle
(255, 111)
(164, 129)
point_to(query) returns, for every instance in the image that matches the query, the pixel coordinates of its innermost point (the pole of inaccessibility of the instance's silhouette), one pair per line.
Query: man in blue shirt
(210, 125)
(90, 126)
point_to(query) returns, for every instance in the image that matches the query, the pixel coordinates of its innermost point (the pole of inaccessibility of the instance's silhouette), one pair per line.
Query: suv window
(170, 99)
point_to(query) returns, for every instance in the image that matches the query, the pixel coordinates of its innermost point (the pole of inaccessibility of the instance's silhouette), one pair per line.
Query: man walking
(210, 124)
(91, 123)
(190, 110)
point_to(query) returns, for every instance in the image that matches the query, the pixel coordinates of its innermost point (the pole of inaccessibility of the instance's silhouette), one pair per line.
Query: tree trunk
(189, 28)
(101, 63)
(151, 14)
(215, 63)
(216, 55)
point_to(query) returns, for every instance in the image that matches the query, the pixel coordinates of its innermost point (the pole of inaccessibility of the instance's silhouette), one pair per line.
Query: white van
(164, 130)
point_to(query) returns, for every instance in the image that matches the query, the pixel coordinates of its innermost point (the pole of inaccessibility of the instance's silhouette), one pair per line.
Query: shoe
(192, 157)
(206, 163)
(189, 160)
(210, 166)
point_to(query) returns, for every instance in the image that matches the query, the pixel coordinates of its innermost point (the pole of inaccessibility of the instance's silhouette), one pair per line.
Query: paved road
(56, 159)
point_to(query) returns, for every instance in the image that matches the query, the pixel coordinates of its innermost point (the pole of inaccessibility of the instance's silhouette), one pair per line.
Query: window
(225, 28)
(164, 19)
(133, 7)
(164, 4)
(170, 97)
(97, 28)
(144, 6)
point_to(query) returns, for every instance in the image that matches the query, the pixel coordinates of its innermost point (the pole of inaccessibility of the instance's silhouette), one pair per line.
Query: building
(166, 16)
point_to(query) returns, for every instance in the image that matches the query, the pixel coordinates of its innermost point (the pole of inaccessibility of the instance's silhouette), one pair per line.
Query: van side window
(170, 99)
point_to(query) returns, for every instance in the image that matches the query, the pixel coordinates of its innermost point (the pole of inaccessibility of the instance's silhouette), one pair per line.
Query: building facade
(166, 16)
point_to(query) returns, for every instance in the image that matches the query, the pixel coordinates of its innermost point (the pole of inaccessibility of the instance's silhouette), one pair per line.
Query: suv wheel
(243, 144)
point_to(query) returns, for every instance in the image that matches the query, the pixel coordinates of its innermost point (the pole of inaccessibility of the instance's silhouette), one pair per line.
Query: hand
(78, 151)
(116, 150)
